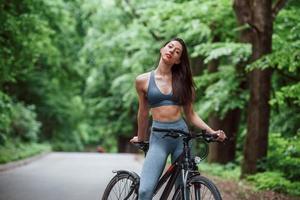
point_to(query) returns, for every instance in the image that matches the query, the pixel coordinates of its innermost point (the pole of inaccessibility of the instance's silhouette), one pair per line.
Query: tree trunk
(257, 14)
(197, 65)
(224, 153)
(124, 146)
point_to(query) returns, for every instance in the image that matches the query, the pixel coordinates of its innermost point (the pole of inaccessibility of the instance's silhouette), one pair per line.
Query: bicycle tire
(115, 191)
(200, 188)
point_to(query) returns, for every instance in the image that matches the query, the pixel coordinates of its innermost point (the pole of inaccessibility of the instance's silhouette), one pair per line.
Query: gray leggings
(156, 157)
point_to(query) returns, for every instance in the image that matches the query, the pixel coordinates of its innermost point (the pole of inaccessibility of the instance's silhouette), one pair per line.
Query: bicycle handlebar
(143, 145)
(175, 133)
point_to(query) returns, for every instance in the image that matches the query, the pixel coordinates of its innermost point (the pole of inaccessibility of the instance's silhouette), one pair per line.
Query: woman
(166, 92)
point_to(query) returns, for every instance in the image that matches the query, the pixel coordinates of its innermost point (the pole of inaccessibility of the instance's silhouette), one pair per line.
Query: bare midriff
(166, 113)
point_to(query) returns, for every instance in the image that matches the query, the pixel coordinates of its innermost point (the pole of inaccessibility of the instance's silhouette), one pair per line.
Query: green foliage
(280, 123)
(275, 181)
(228, 171)
(220, 92)
(281, 167)
(286, 105)
(17, 121)
(193, 19)
(25, 39)
(41, 40)
(286, 49)
(23, 123)
(16, 150)
(287, 93)
(5, 117)
(235, 52)
(284, 155)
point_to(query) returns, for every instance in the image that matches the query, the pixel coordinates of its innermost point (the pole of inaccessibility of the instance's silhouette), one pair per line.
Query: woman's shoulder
(141, 81)
(142, 78)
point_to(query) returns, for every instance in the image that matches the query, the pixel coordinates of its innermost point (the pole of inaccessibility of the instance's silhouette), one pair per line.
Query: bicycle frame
(181, 165)
(171, 174)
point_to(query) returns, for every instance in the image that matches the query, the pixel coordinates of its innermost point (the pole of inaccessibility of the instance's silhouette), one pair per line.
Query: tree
(39, 45)
(258, 16)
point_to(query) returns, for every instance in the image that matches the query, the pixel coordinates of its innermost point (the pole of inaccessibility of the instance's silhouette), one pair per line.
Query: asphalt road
(65, 176)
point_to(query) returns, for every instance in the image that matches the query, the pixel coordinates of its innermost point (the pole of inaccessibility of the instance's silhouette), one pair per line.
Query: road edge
(22, 162)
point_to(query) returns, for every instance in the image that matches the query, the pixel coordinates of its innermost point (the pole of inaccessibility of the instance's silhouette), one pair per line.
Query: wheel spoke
(119, 188)
(200, 189)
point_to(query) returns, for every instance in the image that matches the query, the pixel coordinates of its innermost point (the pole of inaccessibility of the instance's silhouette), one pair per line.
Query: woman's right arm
(143, 111)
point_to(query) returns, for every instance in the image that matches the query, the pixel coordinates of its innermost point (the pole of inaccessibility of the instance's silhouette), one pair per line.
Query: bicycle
(124, 185)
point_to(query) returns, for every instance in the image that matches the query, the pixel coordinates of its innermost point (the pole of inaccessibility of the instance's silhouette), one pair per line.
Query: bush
(24, 124)
(15, 150)
(17, 121)
(284, 156)
(282, 172)
(275, 181)
(66, 146)
(5, 117)
(71, 142)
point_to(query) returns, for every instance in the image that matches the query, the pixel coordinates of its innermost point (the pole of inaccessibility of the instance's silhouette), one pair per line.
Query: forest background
(67, 72)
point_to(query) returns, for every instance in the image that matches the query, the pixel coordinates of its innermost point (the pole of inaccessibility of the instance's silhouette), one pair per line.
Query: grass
(228, 171)
(13, 151)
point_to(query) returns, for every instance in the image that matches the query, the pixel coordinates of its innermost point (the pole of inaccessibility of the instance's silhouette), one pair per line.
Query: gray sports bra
(155, 97)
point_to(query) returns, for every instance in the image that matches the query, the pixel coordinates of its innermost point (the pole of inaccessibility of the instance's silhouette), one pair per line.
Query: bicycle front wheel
(122, 186)
(199, 188)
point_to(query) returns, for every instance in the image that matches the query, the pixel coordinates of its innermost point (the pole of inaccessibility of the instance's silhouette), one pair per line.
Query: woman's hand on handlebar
(221, 135)
(135, 139)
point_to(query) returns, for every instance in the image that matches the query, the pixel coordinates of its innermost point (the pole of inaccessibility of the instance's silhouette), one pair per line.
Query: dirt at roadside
(239, 190)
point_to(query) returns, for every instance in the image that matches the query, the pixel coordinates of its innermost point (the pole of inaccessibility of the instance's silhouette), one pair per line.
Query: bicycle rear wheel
(123, 186)
(199, 188)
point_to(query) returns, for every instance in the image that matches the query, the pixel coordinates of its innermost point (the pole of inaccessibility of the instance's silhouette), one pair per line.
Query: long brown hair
(182, 81)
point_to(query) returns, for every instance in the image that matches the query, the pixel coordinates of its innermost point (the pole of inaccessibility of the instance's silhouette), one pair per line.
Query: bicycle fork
(186, 191)
(185, 174)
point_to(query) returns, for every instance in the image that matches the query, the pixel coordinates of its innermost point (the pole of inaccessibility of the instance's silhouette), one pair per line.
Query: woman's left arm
(194, 119)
